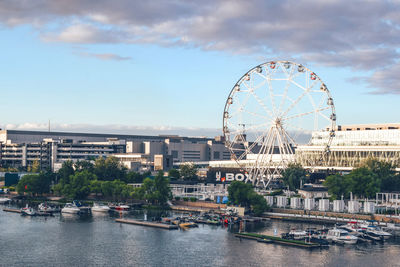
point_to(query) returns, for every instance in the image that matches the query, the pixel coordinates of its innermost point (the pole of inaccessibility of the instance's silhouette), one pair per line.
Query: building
(137, 152)
(352, 145)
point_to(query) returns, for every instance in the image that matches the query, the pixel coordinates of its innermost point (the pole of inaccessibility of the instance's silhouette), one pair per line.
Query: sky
(167, 66)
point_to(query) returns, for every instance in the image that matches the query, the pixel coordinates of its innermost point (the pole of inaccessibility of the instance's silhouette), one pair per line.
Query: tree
(294, 175)
(35, 167)
(155, 191)
(174, 173)
(35, 184)
(95, 186)
(363, 182)
(188, 171)
(134, 177)
(79, 187)
(109, 169)
(239, 192)
(84, 165)
(338, 185)
(244, 195)
(385, 172)
(66, 170)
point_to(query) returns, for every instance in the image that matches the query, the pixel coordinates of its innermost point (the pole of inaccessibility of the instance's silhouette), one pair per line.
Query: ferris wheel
(270, 111)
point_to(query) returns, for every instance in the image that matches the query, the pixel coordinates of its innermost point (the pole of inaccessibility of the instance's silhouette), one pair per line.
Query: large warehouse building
(51, 149)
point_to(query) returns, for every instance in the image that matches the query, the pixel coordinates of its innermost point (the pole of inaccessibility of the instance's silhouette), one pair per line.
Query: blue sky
(96, 68)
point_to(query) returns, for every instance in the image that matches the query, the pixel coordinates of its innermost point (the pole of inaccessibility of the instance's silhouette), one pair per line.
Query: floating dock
(12, 210)
(277, 240)
(150, 224)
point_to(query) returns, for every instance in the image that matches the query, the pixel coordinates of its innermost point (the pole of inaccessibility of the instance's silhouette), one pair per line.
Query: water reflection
(95, 239)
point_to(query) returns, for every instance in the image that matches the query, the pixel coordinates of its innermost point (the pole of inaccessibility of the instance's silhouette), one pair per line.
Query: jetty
(277, 240)
(150, 224)
(12, 210)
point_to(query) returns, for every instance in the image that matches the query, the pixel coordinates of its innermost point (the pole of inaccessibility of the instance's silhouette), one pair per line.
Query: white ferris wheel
(272, 109)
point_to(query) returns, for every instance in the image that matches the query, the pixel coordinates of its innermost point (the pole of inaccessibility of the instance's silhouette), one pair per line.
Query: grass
(278, 239)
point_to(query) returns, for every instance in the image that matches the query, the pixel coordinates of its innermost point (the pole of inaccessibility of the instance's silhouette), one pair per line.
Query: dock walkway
(150, 224)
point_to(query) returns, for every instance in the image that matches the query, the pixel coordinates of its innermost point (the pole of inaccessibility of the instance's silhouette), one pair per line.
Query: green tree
(239, 192)
(174, 173)
(188, 171)
(66, 170)
(134, 177)
(95, 186)
(162, 189)
(35, 184)
(35, 167)
(244, 195)
(294, 175)
(109, 169)
(338, 185)
(79, 187)
(84, 165)
(363, 182)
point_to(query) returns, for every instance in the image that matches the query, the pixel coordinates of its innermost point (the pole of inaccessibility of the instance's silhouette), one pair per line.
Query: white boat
(28, 211)
(297, 235)
(100, 207)
(44, 208)
(120, 207)
(4, 200)
(393, 228)
(70, 208)
(341, 236)
(372, 228)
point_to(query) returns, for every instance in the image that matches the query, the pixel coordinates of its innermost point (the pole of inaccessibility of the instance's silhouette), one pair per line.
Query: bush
(11, 188)
(177, 198)
(185, 199)
(276, 192)
(193, 199)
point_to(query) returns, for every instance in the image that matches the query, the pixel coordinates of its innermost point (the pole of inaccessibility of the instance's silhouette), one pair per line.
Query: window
(216, 154)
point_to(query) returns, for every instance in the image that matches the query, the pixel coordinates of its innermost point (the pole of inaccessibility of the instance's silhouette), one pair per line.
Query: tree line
(371, 177)
(107, 178)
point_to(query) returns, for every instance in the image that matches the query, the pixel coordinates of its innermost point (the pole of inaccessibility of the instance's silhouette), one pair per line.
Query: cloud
(117, 129)
(360, 35)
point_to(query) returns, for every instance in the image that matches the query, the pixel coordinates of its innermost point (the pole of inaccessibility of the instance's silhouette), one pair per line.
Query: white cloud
(117, 129)
(361, 35)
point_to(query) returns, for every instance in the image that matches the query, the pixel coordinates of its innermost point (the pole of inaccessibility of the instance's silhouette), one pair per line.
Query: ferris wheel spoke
(297, 100)
(304, 114)
(259, 101)
(290, 77)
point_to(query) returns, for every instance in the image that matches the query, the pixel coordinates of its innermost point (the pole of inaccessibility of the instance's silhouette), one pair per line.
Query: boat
(4, 200)
(341, 236)
(28, 211)
(297, 235)
(393, 228)
(100, 208)
(43, 207)
(188, 225)
(70, 208)
(121, 207)
(373, 229)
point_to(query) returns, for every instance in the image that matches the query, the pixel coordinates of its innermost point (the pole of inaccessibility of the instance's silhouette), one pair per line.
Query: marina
(85, 234)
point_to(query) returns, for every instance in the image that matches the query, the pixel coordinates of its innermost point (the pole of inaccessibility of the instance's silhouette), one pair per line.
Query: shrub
(185, 199)
(177, 198)
(193, 199)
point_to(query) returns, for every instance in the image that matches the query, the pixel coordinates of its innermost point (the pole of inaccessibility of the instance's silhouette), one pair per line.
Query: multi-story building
(51, 149)
(352, 145)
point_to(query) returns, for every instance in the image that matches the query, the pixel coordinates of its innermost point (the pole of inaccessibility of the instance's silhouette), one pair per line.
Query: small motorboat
(97, 207)
(70, 208)
(341, 236)
(28, 211)
(297, 235)
(121, 207)
(43, 207)
(4, 200)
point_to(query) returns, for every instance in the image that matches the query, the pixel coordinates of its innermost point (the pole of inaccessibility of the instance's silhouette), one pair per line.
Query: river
(97, 240)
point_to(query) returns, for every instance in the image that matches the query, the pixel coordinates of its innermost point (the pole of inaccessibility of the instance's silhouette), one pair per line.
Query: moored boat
(28, 211)
(97, 207)
(341, 236)
(4, 200)
(70, 208)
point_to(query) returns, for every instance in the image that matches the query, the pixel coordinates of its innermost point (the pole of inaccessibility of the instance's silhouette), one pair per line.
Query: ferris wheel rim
(276, 65)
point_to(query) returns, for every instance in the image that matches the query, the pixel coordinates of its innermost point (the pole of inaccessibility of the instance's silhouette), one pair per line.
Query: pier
(277, 240)
(150, 224)
(12, 210)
